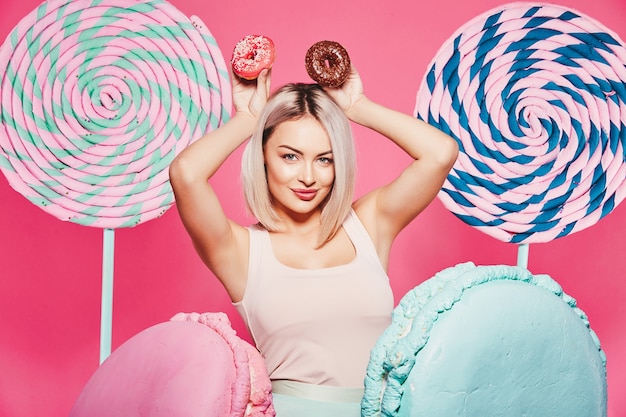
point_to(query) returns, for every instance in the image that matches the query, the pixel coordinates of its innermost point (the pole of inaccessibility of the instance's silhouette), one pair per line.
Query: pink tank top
(317, 326)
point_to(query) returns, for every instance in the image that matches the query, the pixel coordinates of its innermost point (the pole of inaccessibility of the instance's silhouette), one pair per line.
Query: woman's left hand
(349, 93)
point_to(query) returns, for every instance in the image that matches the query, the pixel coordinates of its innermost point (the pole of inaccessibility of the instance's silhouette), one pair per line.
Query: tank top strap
(257, 240)
(360, 237)
(259, 254)
(255, 256)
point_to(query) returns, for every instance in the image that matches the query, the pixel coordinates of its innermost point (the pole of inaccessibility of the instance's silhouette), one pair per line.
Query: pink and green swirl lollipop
(97, 98)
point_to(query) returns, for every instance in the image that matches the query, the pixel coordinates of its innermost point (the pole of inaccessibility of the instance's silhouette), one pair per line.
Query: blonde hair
(293, 102)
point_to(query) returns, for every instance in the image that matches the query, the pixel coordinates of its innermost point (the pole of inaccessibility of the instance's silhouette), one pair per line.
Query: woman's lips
(306, 195)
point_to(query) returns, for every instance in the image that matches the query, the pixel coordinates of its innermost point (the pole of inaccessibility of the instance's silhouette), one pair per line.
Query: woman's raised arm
(385, 211)
(220, 242)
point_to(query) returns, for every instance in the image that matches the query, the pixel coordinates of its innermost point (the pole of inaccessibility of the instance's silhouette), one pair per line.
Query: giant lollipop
(98, 97)
(534, 94)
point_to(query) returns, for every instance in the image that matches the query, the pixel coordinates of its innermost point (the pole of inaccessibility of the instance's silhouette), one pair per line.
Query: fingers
(263, 83)
(353, 71)
(234, 79)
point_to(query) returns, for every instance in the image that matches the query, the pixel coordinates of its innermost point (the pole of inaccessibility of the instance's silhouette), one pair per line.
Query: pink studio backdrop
(50, 271)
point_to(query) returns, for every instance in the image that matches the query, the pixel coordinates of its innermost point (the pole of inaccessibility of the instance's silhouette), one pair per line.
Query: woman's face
(300, 167)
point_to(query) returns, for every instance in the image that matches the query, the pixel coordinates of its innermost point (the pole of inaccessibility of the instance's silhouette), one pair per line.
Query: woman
(310, 278)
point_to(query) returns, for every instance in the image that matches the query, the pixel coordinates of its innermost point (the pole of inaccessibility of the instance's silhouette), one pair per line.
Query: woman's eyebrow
(299, 152)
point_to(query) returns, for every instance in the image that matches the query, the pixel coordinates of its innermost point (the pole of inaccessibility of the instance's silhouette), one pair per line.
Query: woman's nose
(307, 175)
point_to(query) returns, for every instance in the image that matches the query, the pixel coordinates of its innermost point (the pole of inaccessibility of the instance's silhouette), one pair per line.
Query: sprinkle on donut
(251, 55)
(327, 63)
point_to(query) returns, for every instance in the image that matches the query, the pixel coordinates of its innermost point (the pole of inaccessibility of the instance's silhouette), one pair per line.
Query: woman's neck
(300, 223)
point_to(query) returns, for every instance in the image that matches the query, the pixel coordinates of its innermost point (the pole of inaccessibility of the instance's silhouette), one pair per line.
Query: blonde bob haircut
(293, 102)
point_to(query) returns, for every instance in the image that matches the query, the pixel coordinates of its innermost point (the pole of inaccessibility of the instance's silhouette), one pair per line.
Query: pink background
(51, 271)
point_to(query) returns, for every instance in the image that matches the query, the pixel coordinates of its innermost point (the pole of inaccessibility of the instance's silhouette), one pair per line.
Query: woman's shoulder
(256, 228)
(365, 209)
(229, 262)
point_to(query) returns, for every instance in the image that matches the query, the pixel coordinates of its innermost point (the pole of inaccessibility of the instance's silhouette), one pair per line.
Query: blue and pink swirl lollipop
(535, 96)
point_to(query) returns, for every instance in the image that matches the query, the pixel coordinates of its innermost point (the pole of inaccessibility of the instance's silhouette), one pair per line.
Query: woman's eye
(290, 157)
(326, 161)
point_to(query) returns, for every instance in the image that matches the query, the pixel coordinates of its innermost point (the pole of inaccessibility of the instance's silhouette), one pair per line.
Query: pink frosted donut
(251, 55)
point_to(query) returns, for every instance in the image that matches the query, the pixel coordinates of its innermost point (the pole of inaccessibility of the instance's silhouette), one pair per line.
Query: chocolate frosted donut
(327, 63)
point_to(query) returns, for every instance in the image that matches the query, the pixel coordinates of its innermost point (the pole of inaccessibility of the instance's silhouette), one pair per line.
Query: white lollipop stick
(106, 315)
(522, 255)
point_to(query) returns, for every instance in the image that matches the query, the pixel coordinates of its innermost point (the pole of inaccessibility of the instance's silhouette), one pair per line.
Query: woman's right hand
(250, 96)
